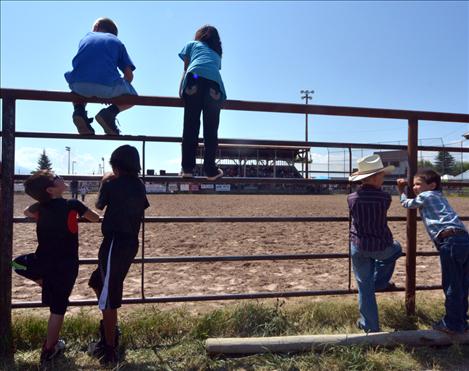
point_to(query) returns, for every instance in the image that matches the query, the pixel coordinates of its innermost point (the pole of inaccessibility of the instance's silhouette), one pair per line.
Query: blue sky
(403, 55)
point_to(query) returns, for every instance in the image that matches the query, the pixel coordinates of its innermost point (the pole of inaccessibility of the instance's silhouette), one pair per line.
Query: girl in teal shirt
(202, 91)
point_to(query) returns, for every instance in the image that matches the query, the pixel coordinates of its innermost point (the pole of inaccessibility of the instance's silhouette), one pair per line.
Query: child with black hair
(202, 90)
(123, 195)
(451, 239)
(54, 265)
(95, 74)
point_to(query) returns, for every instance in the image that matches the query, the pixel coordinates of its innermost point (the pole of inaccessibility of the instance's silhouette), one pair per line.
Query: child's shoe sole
(84, 128)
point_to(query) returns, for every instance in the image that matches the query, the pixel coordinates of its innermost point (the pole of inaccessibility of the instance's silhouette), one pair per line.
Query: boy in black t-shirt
(54, 265)
(123, 195)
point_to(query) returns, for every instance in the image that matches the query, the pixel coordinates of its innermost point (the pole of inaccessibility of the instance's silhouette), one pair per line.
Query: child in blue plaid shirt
(451, 239)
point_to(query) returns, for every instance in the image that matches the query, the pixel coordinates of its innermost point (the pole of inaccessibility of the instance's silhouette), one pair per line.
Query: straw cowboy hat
(368, 166)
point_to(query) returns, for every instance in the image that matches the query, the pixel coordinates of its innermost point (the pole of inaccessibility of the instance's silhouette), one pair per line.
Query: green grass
(174, 339)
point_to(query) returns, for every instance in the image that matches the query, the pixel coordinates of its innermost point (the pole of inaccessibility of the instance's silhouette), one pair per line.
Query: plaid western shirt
(435, 210)
(368, 207)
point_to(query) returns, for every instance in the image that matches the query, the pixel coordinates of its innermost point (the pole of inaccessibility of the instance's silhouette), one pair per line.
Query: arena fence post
(7, 171)
(411, 229)
(350, 169)
(142, 280)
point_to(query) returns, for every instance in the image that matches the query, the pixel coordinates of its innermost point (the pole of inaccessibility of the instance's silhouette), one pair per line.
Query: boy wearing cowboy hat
(373, 250)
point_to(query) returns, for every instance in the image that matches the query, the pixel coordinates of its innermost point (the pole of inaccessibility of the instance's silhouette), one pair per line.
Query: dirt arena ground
(212, 239)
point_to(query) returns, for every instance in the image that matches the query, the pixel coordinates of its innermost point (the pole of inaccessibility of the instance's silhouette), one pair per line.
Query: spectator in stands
(451, 239)
(374, 253)
(202, 90)
(54, 265)
(94, 74)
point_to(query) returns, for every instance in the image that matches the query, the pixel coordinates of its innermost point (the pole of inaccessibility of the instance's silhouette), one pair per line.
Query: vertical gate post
(411, 229)
(142, 280)
(6, 225)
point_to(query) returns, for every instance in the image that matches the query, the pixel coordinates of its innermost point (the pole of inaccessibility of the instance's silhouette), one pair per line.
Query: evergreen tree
(43, 163)
(445, 163)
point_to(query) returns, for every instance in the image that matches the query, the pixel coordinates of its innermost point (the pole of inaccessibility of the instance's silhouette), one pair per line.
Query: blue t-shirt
(99, 56)
(203, 61)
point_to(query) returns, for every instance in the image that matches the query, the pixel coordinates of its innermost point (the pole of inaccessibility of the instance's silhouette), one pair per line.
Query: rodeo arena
(236, 246)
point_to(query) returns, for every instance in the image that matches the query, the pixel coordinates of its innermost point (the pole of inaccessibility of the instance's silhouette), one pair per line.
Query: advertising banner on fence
(222, 187)
(155, 188)
(184, 187)
(206, 186)
(173, 187)
(194, 187)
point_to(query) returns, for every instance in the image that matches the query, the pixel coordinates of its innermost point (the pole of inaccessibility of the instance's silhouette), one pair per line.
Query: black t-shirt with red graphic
(57, 230)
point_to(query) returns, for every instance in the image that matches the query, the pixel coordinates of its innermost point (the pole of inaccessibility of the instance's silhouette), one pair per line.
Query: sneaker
(96, 349)
(441, 326)
(82, 122)
(107, 120)
(49, 354)
(219, 174)
(360, 326)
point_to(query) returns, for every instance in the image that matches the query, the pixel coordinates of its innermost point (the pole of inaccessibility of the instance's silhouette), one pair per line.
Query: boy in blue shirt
(451, 239)
(54, 265)
(95, 74)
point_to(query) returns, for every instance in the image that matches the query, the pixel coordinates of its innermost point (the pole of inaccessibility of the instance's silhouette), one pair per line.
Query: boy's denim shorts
(89, 89)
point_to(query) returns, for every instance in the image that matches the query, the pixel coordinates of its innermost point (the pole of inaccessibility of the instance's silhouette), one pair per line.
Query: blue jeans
(373, 270)
(201, 96)
(454, 259)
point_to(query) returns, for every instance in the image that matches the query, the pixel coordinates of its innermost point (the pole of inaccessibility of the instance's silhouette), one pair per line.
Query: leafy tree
(425, 164)
(43, 163)
(461, 168)
(445, 163)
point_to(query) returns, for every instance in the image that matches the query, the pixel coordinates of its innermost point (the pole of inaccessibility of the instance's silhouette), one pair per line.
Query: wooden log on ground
(301, 343)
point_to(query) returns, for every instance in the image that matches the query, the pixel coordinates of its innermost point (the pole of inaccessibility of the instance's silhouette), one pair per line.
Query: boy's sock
(78, 106)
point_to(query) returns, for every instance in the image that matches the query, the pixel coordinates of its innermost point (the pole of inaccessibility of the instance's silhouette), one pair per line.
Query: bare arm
(100, 202)
(186, 65)
(409, 203)
(91, 215)
(128, 74)
(401, 184)
(29, 214)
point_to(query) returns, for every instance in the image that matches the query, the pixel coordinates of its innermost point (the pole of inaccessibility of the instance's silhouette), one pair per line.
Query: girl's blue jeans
(373, 270)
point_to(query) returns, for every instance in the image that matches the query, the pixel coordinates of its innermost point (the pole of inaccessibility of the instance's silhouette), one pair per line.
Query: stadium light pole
(465, 136)
(73, 167)
(102, 159)
(68, 150)
(308, 94)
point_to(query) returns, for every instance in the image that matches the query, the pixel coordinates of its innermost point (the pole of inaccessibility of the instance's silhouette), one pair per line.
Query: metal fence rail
(8, 134)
